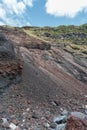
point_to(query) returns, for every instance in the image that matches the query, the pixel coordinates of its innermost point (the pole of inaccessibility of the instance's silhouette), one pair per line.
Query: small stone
(14, 121)
(5, 123)
(35, 116)
(56, 103)
(85, 96)
(24, 113)
(61, 126)
(23, 120)
(61, 109)
(86, 112)
(53, 125)
(38, 129)
(53, 103)
(78, 115)
(28, 109)
(60, 119)
(22, 125)
(46, 125)
(17, 128)
(12, 126)
(85, 106)
(12, 116)
(65, 112)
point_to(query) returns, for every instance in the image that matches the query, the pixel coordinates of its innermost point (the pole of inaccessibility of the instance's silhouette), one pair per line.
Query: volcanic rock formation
(10, 62)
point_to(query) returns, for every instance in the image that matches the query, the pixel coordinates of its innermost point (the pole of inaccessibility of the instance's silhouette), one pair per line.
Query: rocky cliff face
(10, 62)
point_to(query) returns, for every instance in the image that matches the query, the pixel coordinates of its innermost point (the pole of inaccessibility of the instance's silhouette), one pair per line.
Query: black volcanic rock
(10, 62)
(6, 48)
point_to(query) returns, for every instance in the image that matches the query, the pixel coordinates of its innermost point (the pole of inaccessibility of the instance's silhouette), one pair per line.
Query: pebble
(60, 119)
(47, 125)
(38, 129)
(17, 128)
(23, 120)
(86, 110)
(61, 127)
(85, 106)
(65, 112)
(5, 123)
(25, 114)
(35, 116)
(85, 96)
(28, 109)
(78, 115)
(12, 116)
(55, 103)
(61, 109)
(53, 125)
(14, 121)
(12, 126)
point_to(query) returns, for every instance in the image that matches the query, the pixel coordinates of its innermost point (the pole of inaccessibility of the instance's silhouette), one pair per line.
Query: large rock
(78, 115)
(6, 49)
(75, 123)
(10, 62)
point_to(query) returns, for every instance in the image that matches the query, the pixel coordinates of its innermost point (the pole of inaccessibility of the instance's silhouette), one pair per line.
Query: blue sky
(43, 12)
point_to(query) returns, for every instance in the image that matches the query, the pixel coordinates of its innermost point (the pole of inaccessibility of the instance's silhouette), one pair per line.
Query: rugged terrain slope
(54, 72)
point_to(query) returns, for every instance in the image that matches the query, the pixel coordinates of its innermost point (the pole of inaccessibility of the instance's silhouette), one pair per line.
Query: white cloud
(14, 7)
(12, 12)
(2, 13)
(69, 8)
(28, 2)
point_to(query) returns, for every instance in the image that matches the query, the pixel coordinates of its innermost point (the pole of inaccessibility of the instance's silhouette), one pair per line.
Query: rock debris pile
(34, 121)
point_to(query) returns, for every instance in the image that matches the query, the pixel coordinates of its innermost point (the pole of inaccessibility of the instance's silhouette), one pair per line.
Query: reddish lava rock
(76, 124)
